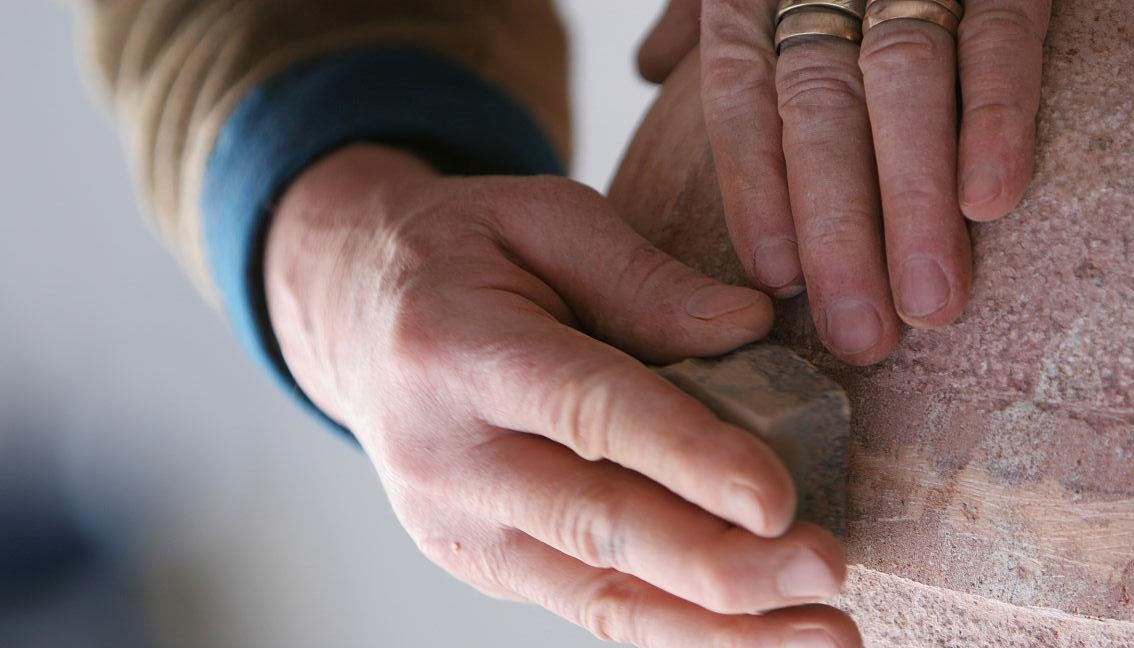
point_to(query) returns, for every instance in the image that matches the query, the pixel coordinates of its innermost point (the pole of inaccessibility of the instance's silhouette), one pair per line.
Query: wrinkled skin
(483, 338)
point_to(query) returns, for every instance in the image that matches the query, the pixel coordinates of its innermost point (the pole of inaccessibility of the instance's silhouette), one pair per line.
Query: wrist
(313, 247)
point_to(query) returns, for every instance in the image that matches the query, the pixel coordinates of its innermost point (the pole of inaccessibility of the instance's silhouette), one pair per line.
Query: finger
(834, 197)
(553, 381)
(738, 70)
(620, 287)
(617, 607)
(909, 71)
(607, 516)
(1001, 61)
(672, 38)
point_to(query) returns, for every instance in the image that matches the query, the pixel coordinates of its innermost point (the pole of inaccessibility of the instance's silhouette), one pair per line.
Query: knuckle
(644, 268)
(593, 523)
(734, 21)
(999, 22)
(849, 227)
(899, 45)
(914, 200)
(585, 411)
(734, 80)
(999, 107)
(825, 86)
(609, 608)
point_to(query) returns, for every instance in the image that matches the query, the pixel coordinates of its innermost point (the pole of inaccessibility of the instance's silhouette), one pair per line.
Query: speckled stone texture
(995, 458)
(894, 612)
(801, 414)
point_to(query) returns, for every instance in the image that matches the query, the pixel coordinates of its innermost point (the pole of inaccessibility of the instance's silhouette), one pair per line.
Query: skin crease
(841, 168)
(448, 323)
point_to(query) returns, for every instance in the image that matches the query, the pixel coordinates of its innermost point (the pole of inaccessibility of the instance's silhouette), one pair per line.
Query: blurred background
(155, 489)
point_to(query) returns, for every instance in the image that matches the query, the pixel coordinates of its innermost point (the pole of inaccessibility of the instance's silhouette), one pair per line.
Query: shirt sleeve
(222, 103)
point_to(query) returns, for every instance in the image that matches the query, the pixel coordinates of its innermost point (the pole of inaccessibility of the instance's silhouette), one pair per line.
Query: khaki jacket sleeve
(173, 70)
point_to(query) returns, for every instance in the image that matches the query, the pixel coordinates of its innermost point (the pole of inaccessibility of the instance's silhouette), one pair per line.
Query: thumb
(675, 34)
(622, 289)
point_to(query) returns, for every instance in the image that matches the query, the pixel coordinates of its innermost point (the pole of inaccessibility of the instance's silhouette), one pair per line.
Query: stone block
(803, 415)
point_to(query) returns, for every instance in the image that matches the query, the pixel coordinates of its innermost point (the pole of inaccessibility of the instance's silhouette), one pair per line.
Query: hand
(442, 320)
(864, 134)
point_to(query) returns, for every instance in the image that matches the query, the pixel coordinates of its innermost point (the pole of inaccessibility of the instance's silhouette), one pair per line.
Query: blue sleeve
(400, 96)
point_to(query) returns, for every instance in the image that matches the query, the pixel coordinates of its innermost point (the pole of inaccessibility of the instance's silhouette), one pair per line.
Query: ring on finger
(854, 8)
(833, 18)
(946, 14)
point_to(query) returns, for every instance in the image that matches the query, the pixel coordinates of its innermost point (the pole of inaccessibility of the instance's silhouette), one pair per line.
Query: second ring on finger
(909, 68)
(831, 175)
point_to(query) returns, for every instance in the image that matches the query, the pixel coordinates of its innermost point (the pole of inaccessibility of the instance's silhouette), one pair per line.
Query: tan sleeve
(173, 70)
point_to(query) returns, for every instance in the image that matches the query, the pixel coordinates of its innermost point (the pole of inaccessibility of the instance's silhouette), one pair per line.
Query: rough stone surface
(803, 415)
(929, 617)
(993, 458)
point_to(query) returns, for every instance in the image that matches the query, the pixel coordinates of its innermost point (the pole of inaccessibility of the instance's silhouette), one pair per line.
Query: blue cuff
(402, 97)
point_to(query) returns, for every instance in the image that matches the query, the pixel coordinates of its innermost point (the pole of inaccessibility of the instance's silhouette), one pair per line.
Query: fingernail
(716, 300)
(748, 509)
(981, 185)
(924, 289)
(806, 576)
(776, 264)
(853, 326)
(813, 638)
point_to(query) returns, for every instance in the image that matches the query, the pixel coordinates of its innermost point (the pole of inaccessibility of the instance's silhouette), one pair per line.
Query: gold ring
(838, 24)
(856, 8)
(946, 14)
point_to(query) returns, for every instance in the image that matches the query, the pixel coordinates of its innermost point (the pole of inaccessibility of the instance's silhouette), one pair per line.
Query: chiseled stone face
(995, 457)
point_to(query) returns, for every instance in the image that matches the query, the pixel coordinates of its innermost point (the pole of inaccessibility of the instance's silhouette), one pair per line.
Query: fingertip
(997, 162)
(930, 293)
(780, 503)
(989, 192)
(776, 268)
(857, 331)
(650, 64)
(756, 320)
(760, 495)
(779, 510)
(745, 309)
(674, 35)
(940, 319)
(812, 567)
(981, 191)
(755, 511)
(840, 629)
(874, 354)
(827, 546)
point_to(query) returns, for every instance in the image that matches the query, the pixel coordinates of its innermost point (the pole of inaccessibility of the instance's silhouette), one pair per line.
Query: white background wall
(250, 524)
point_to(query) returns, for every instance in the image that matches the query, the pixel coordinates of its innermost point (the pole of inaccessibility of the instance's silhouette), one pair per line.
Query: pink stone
(994, 458)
